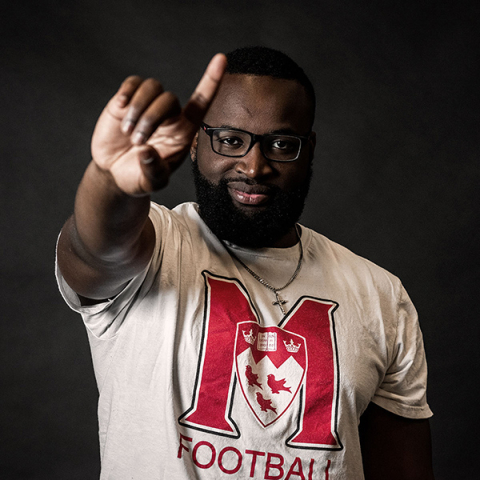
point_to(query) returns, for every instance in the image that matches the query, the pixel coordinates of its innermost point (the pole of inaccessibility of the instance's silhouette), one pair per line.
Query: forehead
(260, 104)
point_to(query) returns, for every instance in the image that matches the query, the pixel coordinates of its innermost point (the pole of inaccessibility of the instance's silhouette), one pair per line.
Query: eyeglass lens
(233, 143)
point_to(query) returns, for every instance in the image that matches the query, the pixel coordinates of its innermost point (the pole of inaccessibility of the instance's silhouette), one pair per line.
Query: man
(227, 339)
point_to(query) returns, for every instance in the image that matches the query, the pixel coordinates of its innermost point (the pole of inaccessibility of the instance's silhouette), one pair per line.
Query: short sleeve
(104, 319)
(403, 390)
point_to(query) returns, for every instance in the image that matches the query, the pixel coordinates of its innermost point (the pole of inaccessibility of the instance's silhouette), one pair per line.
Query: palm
(114, 151)
(169, 136)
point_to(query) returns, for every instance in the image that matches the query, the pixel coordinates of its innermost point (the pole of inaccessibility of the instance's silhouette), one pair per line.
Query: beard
(257, 229)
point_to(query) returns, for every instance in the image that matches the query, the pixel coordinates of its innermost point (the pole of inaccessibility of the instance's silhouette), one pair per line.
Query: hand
(143, 134)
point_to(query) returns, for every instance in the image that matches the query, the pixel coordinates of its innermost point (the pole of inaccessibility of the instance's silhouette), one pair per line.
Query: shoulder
(352, 268)
(179, 231)
(182, 218)
(180, 213)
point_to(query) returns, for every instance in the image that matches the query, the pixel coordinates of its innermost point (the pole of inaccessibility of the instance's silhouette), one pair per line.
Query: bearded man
(227, 339)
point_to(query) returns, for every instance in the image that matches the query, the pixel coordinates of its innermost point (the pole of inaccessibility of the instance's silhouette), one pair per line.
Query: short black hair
(265, 61)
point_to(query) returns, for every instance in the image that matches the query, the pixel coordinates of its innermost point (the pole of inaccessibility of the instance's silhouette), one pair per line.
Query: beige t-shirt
(201, 376)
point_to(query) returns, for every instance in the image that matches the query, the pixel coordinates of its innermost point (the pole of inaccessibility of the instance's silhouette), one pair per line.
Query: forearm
(108, 239)
(108, 222)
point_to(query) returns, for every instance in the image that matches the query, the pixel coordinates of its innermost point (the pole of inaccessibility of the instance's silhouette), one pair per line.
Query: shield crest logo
(271, 364)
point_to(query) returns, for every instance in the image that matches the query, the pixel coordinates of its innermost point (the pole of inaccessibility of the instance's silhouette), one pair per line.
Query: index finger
(202, 97)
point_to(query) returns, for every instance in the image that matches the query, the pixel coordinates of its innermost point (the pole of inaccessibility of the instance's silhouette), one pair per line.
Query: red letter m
(227, 304)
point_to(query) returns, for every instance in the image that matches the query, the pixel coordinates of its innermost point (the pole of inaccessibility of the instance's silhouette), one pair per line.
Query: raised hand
(143, 134)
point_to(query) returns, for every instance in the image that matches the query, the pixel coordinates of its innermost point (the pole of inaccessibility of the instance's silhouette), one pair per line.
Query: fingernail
(147, 160)
(138, 138)
(127, 126)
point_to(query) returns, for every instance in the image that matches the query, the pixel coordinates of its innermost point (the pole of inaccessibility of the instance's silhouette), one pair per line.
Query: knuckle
(145, 125)
(200, 99)
(132, 81)
(133, 78)
(171, 99)
(170, 96)
(133, 112)
(153, 84)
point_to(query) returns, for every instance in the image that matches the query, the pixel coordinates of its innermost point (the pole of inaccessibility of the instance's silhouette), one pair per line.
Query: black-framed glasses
(233, 142)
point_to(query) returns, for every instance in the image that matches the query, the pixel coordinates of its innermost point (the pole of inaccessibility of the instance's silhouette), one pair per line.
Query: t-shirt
(200, 375)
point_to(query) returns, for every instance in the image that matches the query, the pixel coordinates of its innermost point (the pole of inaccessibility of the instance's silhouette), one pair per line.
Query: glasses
(233, 142)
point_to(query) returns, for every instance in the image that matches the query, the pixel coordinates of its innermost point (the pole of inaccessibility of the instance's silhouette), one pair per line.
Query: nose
(254, 164)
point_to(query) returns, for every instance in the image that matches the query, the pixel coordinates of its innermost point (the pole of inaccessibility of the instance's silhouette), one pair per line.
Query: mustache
(250, 182)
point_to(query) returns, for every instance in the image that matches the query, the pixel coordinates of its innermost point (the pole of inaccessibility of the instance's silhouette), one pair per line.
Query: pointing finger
(116, 107)
(127, 89)
(140, 101)
(202, 97)
(164, 107)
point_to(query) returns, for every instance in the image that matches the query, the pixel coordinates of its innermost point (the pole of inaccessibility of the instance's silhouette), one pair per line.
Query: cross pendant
(280, 302)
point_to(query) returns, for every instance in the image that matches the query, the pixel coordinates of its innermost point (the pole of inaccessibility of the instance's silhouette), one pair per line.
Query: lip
(249, 195)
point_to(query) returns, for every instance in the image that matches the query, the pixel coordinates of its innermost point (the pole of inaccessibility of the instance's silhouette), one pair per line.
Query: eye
(284, 144)
(230, 141)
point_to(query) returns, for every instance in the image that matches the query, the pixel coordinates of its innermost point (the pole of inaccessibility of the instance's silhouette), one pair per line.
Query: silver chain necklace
(279, 300)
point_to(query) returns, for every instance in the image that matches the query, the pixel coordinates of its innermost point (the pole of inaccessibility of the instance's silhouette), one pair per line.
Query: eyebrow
(280, 131)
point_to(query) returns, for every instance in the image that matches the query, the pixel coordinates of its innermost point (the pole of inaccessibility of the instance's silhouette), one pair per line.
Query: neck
(279, 300)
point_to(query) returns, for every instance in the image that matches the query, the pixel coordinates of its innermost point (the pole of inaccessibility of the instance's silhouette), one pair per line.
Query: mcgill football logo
(272, 365)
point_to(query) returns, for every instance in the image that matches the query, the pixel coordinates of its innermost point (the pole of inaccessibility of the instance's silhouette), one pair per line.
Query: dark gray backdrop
(396, 180)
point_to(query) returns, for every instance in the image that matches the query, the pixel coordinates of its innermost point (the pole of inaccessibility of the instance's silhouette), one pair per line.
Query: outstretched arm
(140, 138)
(393, 447)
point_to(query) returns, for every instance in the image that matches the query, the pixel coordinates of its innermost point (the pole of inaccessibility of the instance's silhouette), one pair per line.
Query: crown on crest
(292, 347)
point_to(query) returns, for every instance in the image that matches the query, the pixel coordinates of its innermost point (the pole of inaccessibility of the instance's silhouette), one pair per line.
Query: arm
(141, 137)
(394, 447)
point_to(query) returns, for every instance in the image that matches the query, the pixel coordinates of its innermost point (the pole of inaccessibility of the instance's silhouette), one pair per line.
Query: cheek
(212, 166)
(294, 174)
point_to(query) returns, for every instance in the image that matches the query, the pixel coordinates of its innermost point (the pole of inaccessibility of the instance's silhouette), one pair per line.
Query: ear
(193, 148)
